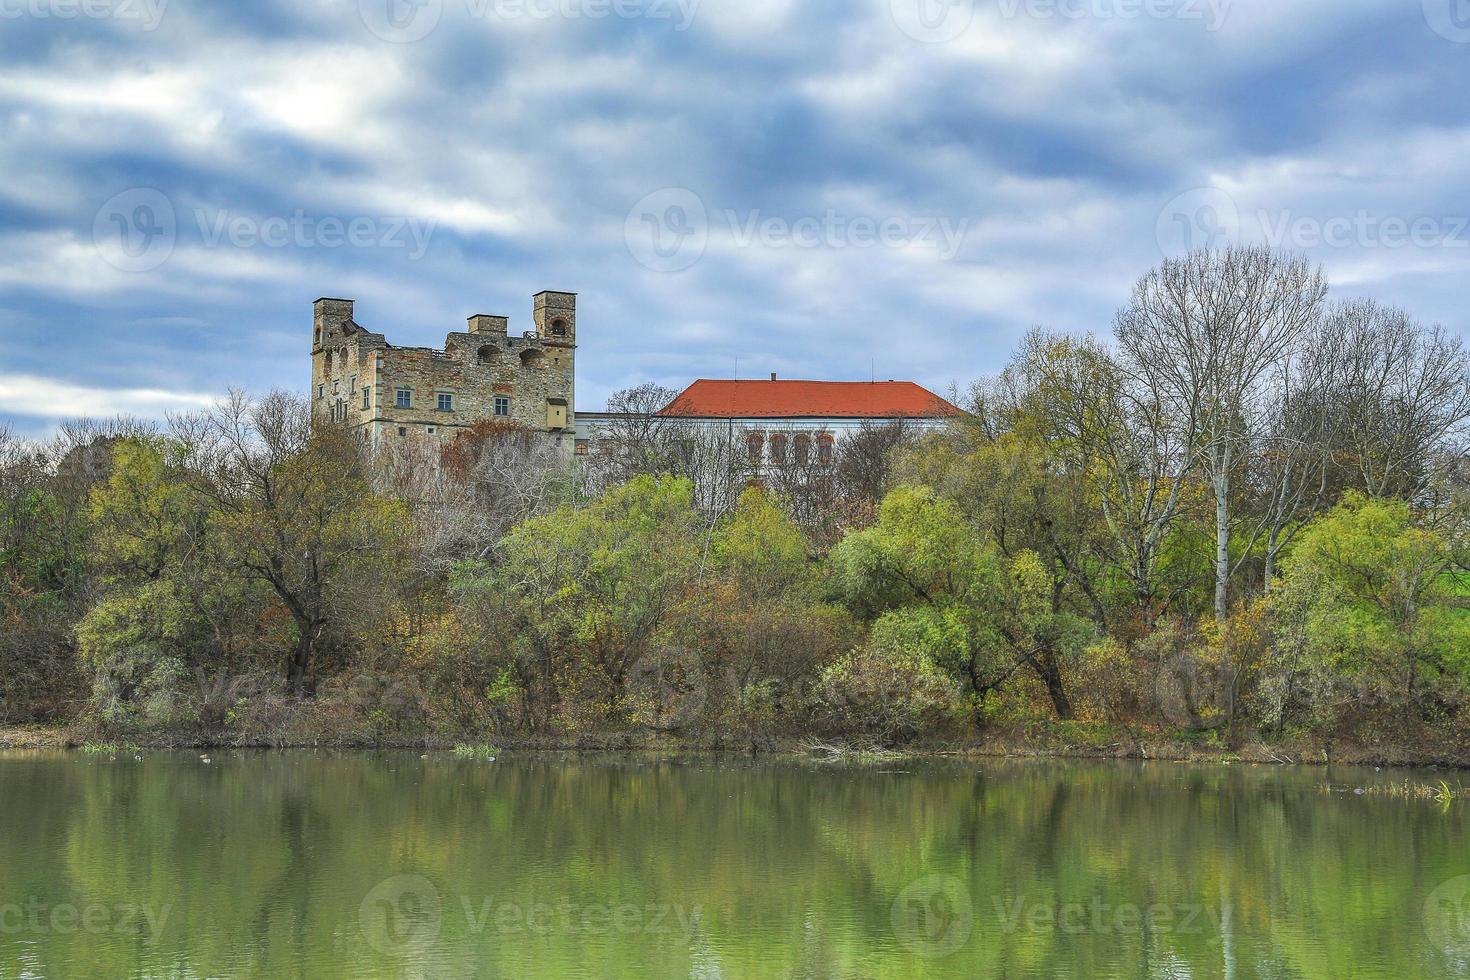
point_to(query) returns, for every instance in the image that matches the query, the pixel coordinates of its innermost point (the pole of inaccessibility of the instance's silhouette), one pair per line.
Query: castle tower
(555, 317)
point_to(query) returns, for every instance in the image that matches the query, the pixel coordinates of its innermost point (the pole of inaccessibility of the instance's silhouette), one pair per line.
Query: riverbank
(1097, 742)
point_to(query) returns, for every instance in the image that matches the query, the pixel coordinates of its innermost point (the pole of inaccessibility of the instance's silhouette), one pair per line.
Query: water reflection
(324, 864)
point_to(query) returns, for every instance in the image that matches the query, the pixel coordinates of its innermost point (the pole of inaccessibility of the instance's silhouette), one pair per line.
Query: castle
(389, 393)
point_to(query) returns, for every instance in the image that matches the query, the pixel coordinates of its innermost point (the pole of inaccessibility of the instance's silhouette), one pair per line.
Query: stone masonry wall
(356, 375)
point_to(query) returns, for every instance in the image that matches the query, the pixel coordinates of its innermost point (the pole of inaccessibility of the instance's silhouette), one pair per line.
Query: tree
(1401, 397)
(292, 507)
(593, 588)
(1205, 332)
(932, 584)
(1367, 593)
(758, 615)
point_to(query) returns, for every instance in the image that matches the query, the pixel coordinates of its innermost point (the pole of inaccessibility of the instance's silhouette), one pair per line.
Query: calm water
(306, 864)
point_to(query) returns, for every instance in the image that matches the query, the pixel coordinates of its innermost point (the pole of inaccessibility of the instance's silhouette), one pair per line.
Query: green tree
(1369, 594)
(932, 583)
(593, 587)
(292, 508)
(758, 617)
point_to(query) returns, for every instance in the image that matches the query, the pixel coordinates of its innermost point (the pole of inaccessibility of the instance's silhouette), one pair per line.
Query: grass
(479, 753)
(862, 754)
(108, 748)
(1440, 792)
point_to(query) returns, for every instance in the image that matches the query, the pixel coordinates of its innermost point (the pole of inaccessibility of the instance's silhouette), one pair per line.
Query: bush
(890, 696)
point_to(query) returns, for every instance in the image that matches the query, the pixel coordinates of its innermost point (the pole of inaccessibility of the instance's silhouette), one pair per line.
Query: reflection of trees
(264, 861)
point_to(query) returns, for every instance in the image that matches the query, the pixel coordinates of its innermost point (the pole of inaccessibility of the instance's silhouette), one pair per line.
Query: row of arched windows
(800, 446)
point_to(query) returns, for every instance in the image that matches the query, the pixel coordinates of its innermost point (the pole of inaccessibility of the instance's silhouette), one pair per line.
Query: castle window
(488, 354)
(533, 359)
(824, 450)
(446, 402)
(321, 391)
(403, 398)
(754, 443)
(558, 328)
(803, 449)
(402, 431)
(778, 449)
(367, 396)
(502, 407)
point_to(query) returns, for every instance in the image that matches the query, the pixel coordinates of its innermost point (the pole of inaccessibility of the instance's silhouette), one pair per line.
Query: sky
(829, 189)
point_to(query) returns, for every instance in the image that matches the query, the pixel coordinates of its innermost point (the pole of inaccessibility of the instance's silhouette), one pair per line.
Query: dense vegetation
(1239, 519)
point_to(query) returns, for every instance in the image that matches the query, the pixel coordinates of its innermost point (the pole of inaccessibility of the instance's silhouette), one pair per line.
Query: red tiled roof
(807, 399)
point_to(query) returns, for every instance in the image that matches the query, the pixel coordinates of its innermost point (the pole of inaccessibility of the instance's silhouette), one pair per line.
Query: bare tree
(466, 495)
(636, 438)
(1402, 398)
(1204, 332)
(865, 457)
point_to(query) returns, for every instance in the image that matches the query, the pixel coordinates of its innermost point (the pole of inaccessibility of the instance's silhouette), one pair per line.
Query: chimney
(485, 324)
(773, 375)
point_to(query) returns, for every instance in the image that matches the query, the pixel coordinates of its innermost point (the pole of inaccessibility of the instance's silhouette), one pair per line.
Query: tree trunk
(301, 673)
(1222, 531)
(1051, 676)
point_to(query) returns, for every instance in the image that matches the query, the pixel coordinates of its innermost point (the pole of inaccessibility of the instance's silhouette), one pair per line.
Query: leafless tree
(465, 496)
(1204, 332)
(636, 438)
(864, 457)
(1402, 398)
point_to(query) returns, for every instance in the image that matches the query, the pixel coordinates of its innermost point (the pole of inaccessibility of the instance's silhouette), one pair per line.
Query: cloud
(48, 398)
(524, 139)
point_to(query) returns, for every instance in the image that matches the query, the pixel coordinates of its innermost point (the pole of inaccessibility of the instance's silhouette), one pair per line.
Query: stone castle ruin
(388, 393)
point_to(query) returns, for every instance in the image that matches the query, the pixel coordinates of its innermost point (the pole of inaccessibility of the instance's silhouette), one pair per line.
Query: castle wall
(356, 375)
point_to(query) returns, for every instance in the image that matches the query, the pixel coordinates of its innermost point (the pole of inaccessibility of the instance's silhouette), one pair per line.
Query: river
(338, 864)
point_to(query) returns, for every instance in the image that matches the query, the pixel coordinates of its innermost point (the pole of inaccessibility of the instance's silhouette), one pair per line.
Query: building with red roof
(784, 423)
(836, 401)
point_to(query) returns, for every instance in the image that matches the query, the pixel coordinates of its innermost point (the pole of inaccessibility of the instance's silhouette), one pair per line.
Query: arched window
(824, 449)
(488, 354)
(533, 359)
(803, 449)
(778, 449)
(558, 328)
(328, 362)
(754, 444)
